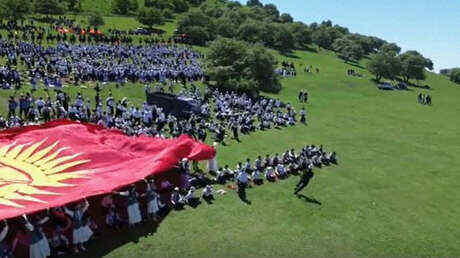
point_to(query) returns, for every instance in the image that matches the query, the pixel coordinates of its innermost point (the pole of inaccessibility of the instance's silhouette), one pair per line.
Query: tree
(15, 9)
(159, 4)
(125, 7)
(74, 5)
(96, 19)
(253, 3)
(227, 27)
(384, 65)
(199, 27)
(301, 33)
(272, 11)
(455, 75)
(234, 5)
(250, 31)
(261, 68)
(196, 2)
(236, 65)
(323, 38)
(347, 49)
(326, 23)
(49, 7)
(445, 71)
(195, 18)
(283, 38)
(391, 47)
(167, 13)
(213, 9)
(180, 6)
(286, 18)
(150, 16)
(413, 65)
(198, 35)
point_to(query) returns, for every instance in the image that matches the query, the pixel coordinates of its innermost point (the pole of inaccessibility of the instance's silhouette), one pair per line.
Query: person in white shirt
(177, 200)
(190, 198)
(256, 178)
(281, 171)
(242, 181)
(208, 194)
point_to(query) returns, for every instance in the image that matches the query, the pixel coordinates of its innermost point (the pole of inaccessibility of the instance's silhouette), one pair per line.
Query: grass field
(394, 193)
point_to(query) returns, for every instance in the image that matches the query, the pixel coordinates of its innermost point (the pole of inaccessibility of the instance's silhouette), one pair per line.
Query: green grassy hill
(394, 193)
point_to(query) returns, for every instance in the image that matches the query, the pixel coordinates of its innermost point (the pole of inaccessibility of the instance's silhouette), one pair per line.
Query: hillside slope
(394, 193)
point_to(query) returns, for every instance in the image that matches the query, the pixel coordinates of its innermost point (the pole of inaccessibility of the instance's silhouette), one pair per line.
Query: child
(134, 213)
(81, 232)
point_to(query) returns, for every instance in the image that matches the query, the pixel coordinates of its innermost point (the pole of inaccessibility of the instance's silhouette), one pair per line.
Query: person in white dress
(152, 199)
(212, 163)
(39, 246)
(81, 232)
(134, 212)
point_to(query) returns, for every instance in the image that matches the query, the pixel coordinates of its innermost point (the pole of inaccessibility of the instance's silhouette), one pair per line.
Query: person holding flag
(134, 212)
(81, 233)
(152, 199)
(38, 243)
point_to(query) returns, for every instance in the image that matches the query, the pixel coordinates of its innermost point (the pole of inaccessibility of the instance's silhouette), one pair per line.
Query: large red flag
(63, 161)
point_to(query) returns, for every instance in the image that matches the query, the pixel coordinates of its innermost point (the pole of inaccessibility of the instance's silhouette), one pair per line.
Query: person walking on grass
(304, 180)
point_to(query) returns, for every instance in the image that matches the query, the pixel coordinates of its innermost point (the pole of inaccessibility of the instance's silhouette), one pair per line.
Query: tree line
(453, 74)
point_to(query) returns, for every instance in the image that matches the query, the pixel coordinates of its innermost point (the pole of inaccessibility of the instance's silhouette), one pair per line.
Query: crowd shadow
(110, 240)
(308, 199)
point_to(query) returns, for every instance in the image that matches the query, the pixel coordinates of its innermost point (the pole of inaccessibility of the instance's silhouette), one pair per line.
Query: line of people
(220, 113)
(424, 99)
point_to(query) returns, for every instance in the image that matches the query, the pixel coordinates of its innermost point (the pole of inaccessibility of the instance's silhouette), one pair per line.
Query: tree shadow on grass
(355, 65)
(308, 199)
(290, 55)
(424, 87)
(309, 49)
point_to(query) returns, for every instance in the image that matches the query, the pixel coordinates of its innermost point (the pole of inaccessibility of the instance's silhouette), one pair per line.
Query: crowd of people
(273, 168)
(68, 229)
(221, 113)
(102, 63)
(352, 72)
(287, 69)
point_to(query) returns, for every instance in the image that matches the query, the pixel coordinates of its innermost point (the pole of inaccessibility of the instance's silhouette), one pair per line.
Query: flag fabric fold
(62, 161)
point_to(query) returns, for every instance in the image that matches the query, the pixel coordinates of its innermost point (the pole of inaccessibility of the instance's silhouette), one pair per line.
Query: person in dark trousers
(304, 180)
(242, 182)
(428, 100)
(12, 105)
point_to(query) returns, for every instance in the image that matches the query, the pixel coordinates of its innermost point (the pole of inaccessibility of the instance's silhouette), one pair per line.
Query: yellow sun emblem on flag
(23, 169)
